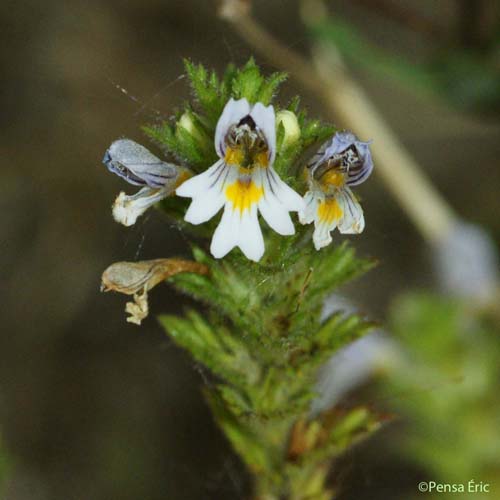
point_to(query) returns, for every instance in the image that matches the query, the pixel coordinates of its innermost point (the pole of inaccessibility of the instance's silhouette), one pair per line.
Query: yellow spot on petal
(243, 194)
(262, 159)
(329, 211)
(242, 157)
(333, 178)
(234, 156)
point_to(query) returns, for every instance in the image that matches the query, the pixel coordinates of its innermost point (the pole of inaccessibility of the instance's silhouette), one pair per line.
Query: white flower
(243, 181)
(342, 162)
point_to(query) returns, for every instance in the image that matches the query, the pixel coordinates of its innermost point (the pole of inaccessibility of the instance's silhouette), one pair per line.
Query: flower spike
(242, 181)
(342, 162)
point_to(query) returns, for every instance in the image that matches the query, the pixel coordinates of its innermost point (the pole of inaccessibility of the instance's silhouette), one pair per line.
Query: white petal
(327, 217)
(204, 207)
(200, 183)
(272, 210)
(250, 239)
(276, 215)
(226, 235)
(210, 196)
(126, 209)
(291, 200)
(265, 119)
(353, 220)
(233, 112)
(308, 213)
(321, 235)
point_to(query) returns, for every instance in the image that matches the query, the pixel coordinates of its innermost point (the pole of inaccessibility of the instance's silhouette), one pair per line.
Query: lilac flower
(342, 162)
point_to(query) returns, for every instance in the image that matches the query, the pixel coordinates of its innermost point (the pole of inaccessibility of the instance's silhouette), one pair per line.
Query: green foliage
(313, 444)
(249, 83)
(261, 333)
(266, 325)
(450, 380)
(216, 348)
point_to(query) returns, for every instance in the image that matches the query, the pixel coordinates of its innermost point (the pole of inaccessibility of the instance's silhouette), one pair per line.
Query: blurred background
(94, 408)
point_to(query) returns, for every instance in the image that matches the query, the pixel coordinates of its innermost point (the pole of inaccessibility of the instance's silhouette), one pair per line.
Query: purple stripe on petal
(346, 143)
(138, 166)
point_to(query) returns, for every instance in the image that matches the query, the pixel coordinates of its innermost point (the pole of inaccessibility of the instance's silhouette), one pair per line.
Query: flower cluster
(244, 183)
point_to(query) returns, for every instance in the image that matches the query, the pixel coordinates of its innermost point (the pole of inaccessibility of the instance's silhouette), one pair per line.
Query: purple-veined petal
(308, 213)
(274, 212)
(290, 199)
(233, 112)
(358, 175)
(137, 165)
(339, 143)
(353, 220)
(265, 120)
(208, 192)
(199, 184)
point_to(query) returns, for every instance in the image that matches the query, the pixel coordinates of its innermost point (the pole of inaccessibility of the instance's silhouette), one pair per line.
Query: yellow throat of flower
(329, 211)
(333, 178)
(243, 194)
(246, 159)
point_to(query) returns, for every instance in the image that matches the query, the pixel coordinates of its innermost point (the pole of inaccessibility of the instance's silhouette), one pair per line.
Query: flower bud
(187, 123)
(291, 125)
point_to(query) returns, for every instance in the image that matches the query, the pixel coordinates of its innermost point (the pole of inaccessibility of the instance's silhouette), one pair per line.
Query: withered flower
(139, 167)
(137, 278)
